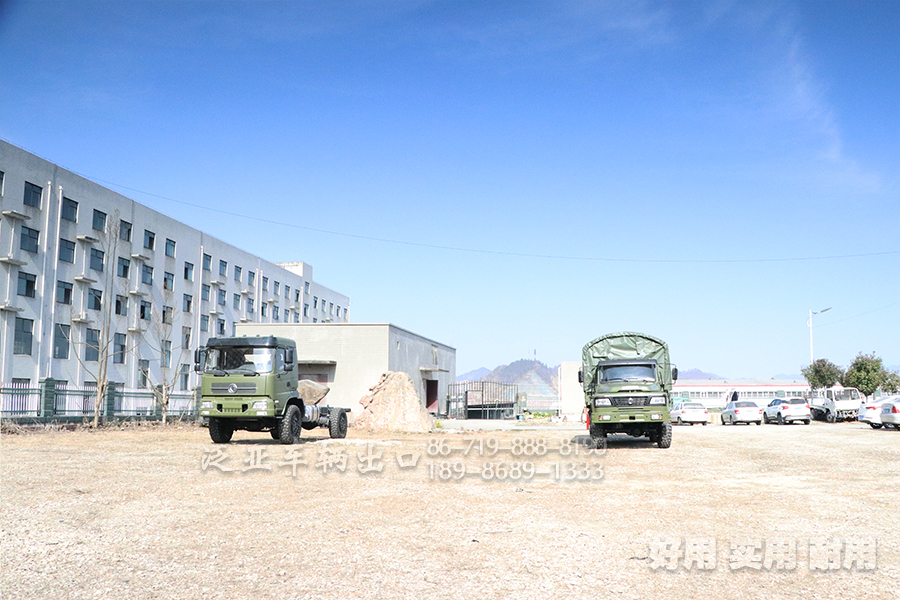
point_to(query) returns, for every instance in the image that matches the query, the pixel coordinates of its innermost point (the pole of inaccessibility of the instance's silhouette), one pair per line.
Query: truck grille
(631, 401)
(221, 389)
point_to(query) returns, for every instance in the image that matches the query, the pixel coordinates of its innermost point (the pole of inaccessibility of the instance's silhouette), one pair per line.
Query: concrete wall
(353, 357)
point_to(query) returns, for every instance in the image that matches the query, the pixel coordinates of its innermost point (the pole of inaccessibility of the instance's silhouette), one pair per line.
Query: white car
(890, 414)
(870, 412)
(742, 411)
(787, 410)
(689, 412)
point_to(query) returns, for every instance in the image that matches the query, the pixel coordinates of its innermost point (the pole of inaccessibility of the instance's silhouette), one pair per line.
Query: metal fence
(54, 399)
(482, 400)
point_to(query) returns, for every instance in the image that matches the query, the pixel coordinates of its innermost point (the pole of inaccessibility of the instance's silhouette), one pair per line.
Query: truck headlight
(260, 405)
(602, 402)
(206, 405)
(658, 400)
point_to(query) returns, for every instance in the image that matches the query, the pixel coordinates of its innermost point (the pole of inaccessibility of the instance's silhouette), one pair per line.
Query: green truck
(627, 379)
(251, 383)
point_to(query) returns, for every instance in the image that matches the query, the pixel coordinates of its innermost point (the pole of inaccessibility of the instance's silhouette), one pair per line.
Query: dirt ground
(727, 512)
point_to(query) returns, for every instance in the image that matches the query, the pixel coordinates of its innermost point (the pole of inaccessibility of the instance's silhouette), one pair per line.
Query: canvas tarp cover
(626, 345)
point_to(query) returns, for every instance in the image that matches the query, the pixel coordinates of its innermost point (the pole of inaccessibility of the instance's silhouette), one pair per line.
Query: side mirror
(580, 376)
(674, 373)
(289, 359)
(199, 359)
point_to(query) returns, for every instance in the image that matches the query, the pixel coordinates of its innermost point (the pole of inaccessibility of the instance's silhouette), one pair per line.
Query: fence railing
(51, 399)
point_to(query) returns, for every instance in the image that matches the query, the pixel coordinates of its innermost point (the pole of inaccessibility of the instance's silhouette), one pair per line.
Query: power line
(868, 312)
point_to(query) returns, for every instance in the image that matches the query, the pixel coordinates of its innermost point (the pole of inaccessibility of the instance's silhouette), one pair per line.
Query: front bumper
(238, 408)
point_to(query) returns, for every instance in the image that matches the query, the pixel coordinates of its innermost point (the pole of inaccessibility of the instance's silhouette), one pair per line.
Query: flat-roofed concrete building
(75, 256)
(351, 357)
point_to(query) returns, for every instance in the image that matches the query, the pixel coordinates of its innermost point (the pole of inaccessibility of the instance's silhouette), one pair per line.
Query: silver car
(787, 410)
(689, 412)
(870, 412)
(890, 414)
(742, 411)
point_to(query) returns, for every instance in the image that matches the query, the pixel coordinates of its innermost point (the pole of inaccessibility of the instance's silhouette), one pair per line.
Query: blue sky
(510, 178)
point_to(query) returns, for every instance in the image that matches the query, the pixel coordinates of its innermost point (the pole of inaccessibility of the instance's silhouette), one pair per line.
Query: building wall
(243, 301)
(354, 356)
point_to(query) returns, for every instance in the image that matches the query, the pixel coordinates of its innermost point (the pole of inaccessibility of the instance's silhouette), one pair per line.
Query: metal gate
(482, 400)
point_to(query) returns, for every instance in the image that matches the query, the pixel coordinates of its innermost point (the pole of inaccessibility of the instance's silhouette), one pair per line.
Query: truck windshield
(627, 373)
(246, 360)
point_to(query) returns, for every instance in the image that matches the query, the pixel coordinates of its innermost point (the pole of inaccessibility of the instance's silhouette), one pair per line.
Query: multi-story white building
(75, 256)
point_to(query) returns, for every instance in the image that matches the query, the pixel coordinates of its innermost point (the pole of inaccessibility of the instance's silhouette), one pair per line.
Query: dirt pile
(393, 405)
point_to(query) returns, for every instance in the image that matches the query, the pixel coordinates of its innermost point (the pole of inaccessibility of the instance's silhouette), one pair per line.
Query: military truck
(251, 383)
(627, 379)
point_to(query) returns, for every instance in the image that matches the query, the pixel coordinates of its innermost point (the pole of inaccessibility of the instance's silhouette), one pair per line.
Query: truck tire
(665, 435)
(275, 433)
(337, 424)
(220, 430)
(829, 416)
(290, 428)
(598, 436)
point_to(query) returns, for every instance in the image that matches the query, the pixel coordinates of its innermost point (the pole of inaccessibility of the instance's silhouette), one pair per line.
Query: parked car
(870, 412)
(787, 410)
(689, 412)
(890, 414)
(742, 411)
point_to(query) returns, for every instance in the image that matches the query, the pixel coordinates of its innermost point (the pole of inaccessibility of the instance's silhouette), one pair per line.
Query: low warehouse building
(350, 358)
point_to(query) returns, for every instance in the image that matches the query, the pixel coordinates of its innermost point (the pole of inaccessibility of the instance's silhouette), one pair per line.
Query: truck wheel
(220, 430)
(289, 430)
(274, 433)
(829, 416)
(337, 424)
(598, 436)
(665, 435)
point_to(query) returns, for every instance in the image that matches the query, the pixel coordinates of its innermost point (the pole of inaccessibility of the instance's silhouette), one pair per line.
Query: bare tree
(163, 323)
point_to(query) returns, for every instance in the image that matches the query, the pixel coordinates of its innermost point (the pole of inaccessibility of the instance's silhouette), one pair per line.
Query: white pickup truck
(835, 404)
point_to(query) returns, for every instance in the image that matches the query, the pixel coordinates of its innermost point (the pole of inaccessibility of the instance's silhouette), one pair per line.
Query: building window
(149, 239)
(315, 302)
(251, 278)
(204, 292)
(29, 239)
(306, 310)
(61, 341)
(95, 299)
(249, 305)
(223, 268)
(63, 292)
(237, 273)
(147, 274)
(26, 284)
(124, 267)
(237, 301)
(221, 297)
(168, 280)
(69, 213)
(265, 284)
(66, 251)
(167, 315)
(125, 231)
(275, 286)
(187, 303)
(306, 287)
(92, 346)
(22, 340)
(330, 308)
(207, 262)
(170, 248)
(204, 322)
(287, 292)
(296, 317)
(145, 310)
(189, 271)
(220, 327)
(119, 348)
(263, 306)
(275, 312)
(297, 296)
(143, 373)
(122, 306)
(185, 377)
(99, 220)
(97, 259)
(185, 338)
(33, 195)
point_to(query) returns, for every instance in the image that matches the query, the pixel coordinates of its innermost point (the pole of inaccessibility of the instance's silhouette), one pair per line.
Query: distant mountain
(520, 370)
(473, 375)
(697, 374)
(789, 376)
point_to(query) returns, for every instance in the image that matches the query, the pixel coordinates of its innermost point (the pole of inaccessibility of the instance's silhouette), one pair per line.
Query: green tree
(891, 383)
(867, 374)
(822, 374)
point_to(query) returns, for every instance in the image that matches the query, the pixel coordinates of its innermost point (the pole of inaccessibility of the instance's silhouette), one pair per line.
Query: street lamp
(811, 313)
